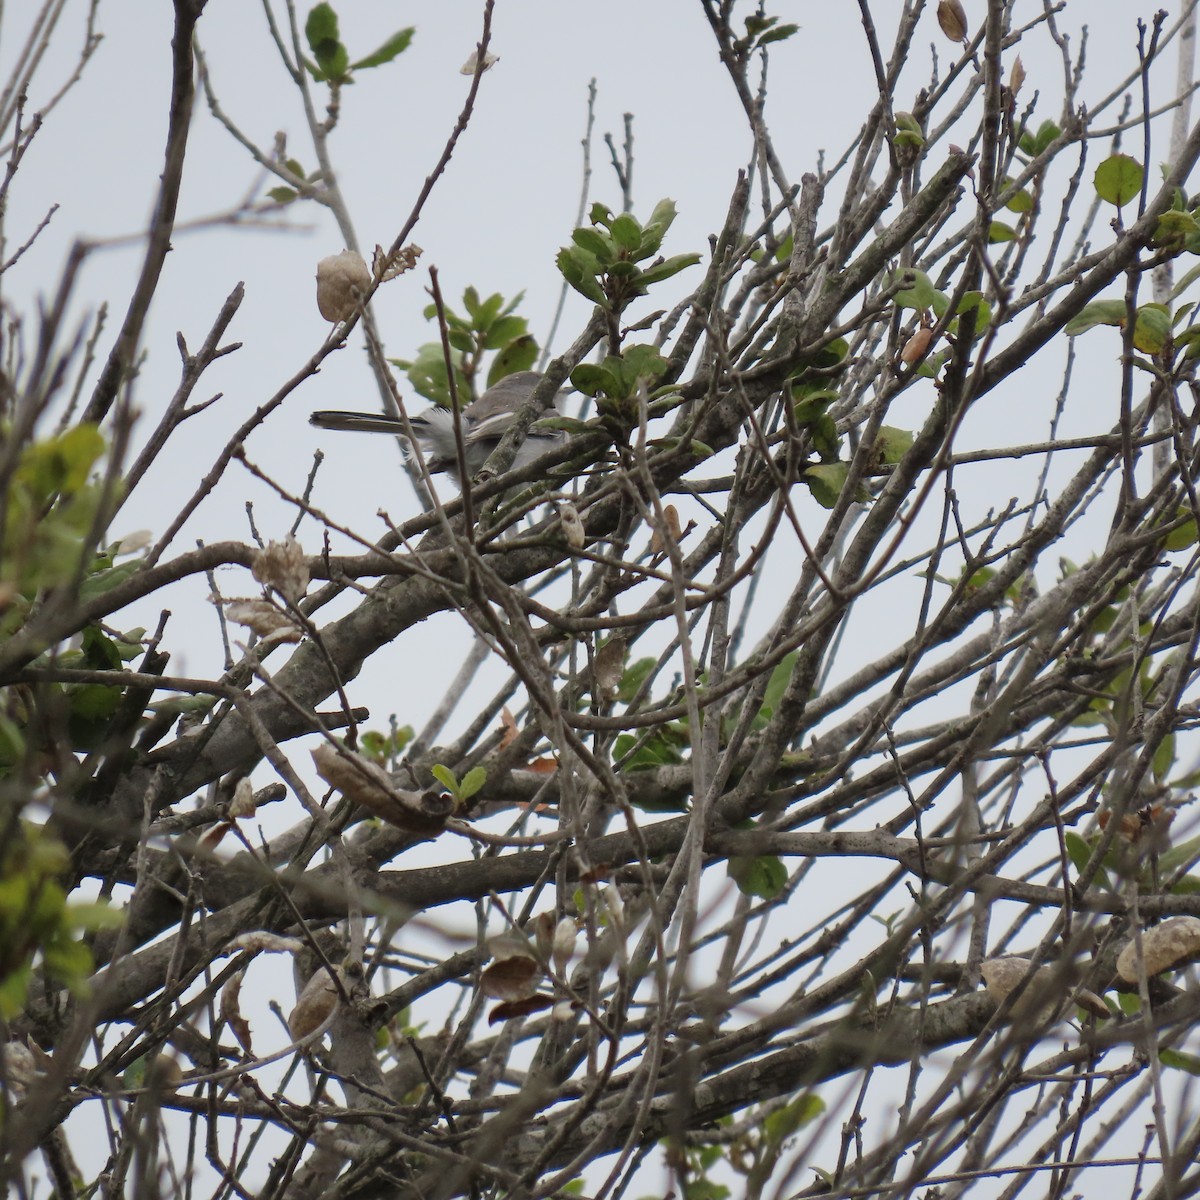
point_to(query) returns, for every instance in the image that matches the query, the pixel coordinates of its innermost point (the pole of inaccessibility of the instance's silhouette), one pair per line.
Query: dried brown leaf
(509, 724)
(572, 526)
(264, 619)
(609, 665)
(953, 20)
(511, 979)
(387, 267)
(519, 1008)
(1171, 944)
(1016, 76)
(916, 347)
(282, 566)
(315, 1005)
(231, 1010)
(368, 784)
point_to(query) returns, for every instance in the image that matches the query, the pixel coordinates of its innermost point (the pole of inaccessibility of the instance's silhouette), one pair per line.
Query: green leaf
(445, 777)
(778, 34)
(785, 1121)
(764, 877)
(472, 781)
(1098, 312)
(999, 232)
(892, 444)
(597, 244)
(825, 481)
(1152, 328)
(282, 195)
(974, 302)
(1034, 143)
(626, 232)
(594, 379)
(392, 48)
(321, 26)
(1022, 201)
(668, 267)
(634, 675)
(1079, 852)
(1184, 536)
(94, 916)
(1118, 179)
(1179, 1060)
(504, 330)
(917, 290)
(519, 355)
(575, 270)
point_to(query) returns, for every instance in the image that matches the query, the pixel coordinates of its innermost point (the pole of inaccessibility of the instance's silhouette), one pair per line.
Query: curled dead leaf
(264, 619)
(242, 804)
(572, 526)
(315, 1004)
(1171, 944)
(609, 665)
(916, 347)
(368, 784)
(953, 19)
(282, 566)
(511, 979)
(671, 529)
(262, 941)
(1016, 76)
(475, 65)
(519, 1008)
(386, 267)
(231, 1011)
(509, 725)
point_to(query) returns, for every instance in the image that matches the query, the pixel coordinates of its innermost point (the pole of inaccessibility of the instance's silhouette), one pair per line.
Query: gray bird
(484, 423)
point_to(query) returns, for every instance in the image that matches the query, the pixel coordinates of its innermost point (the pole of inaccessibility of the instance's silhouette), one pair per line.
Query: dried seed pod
(1171, 944)
(342, 280)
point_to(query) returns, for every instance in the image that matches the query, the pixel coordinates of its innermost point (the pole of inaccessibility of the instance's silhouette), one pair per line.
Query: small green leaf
(392, 48)
(626, 232)
(999, 232)
(764, 877)
(519, 355)
(445, 777)
(576, 272)
(321, 26)
(825, 482)
(668, 267)
(1022, 201)
(634, 675)
(778, 34)
(917, 290)
(597, 244)
(1179, 1060)
(783, 1122)
(472, 781)
(1098, 312)
(282, 195)
(893, 444)
(1118, 179)
(1152, 329)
